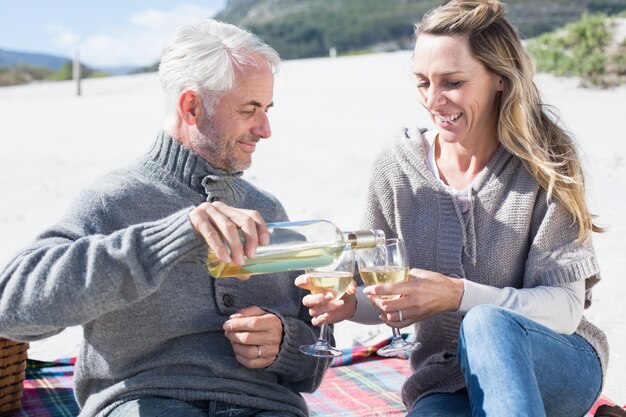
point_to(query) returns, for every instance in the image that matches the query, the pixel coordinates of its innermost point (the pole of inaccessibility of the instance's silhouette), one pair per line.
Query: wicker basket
(12, 366)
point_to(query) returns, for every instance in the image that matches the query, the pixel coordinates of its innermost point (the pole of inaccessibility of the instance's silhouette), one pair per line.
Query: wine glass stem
(322, 337)
(396, 333)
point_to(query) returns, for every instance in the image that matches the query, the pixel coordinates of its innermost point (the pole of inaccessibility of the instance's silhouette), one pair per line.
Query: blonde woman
(491, 205)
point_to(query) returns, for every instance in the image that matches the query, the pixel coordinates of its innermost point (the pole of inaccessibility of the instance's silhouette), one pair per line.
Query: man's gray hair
(204, 57)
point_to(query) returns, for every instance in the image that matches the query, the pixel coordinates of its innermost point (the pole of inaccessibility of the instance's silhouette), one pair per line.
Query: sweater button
(228, 300)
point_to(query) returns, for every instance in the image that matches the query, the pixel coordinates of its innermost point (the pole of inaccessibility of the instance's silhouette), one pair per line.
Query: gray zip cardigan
(510, 236)
(120, 263)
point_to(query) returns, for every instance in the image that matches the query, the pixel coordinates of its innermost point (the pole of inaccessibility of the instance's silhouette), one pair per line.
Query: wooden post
(76, 75)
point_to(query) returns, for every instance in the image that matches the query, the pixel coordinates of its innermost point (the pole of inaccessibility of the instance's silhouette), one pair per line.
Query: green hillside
(592, 48)
(564, 39)
(309, 28)
(306, 28)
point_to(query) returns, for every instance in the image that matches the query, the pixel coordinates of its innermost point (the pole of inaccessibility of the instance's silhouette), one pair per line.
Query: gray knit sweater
(509, 237)
(121, 264)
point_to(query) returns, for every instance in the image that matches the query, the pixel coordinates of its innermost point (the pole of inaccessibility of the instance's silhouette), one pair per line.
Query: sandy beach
(331, 117)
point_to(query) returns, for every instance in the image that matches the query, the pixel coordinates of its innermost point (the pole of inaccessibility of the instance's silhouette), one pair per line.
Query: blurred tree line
(309, 28)
(24, 74)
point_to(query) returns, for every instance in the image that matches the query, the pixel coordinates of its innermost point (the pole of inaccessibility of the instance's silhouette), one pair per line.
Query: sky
(104, 33)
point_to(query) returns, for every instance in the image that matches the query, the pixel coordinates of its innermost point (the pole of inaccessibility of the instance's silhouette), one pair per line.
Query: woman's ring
(258, 351)
(401, 317)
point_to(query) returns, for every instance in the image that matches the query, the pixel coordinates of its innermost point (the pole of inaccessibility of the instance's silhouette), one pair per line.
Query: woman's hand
(321, 307)
(425, 294)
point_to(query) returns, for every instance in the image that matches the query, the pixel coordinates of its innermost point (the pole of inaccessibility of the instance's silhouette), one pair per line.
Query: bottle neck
(364, 238)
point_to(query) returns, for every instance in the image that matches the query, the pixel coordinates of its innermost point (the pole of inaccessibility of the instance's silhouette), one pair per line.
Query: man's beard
(217, 149)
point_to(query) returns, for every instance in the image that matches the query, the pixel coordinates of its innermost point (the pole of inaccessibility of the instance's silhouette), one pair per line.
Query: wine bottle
(294, 246)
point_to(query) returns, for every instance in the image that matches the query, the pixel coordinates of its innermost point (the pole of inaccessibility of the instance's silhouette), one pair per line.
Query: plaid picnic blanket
(48, 390)
(368, 388)
(359, 383)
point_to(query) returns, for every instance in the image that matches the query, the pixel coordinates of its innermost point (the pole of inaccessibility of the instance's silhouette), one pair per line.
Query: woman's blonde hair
(527, 128)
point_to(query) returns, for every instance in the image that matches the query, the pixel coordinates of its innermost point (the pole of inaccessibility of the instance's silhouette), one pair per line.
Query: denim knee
(481, 320)
(482, 316)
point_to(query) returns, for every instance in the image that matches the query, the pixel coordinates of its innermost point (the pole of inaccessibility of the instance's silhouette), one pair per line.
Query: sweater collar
(417, 157)
(182, 164)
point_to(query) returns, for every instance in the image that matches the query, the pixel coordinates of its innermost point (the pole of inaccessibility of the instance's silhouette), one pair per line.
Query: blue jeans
(515, 367)
(168, 407)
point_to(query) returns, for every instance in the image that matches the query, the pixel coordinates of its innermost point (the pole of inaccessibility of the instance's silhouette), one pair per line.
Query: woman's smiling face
(456, 89)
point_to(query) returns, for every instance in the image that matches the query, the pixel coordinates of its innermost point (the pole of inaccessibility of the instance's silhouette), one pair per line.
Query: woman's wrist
(456, 295)
(356, 305)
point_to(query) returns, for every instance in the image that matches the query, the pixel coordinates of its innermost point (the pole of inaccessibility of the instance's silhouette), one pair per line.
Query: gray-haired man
(161, 336)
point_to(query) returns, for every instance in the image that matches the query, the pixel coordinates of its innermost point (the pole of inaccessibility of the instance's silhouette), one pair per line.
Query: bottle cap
(365, 238)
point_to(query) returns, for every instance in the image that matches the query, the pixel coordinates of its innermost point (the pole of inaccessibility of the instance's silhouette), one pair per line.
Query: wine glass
(335, 278)
(387, 265)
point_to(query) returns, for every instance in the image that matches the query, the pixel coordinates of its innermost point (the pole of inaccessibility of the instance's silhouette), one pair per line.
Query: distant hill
(14, 58)
(24, 67)
(10, 59)
(308, 28)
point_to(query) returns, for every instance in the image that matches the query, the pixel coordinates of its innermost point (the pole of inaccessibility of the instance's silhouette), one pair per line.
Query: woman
(491, 205)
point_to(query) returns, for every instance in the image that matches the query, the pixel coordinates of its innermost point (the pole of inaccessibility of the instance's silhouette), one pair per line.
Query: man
(161, 336)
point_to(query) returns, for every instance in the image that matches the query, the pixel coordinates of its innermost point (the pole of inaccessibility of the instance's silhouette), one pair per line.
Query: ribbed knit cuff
(290, 361)
(170, 240)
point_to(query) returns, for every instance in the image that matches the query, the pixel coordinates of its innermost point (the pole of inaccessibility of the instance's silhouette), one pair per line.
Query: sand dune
(331, 117)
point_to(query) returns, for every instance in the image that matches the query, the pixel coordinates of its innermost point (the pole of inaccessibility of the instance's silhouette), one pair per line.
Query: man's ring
(400, 316)
(258, 351)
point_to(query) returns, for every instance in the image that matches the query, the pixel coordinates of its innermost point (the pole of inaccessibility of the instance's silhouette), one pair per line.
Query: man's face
(228, 138)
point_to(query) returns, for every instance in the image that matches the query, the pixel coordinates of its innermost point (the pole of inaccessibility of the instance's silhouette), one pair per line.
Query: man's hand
(255, 335)
(220, 225)
(321, 307)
